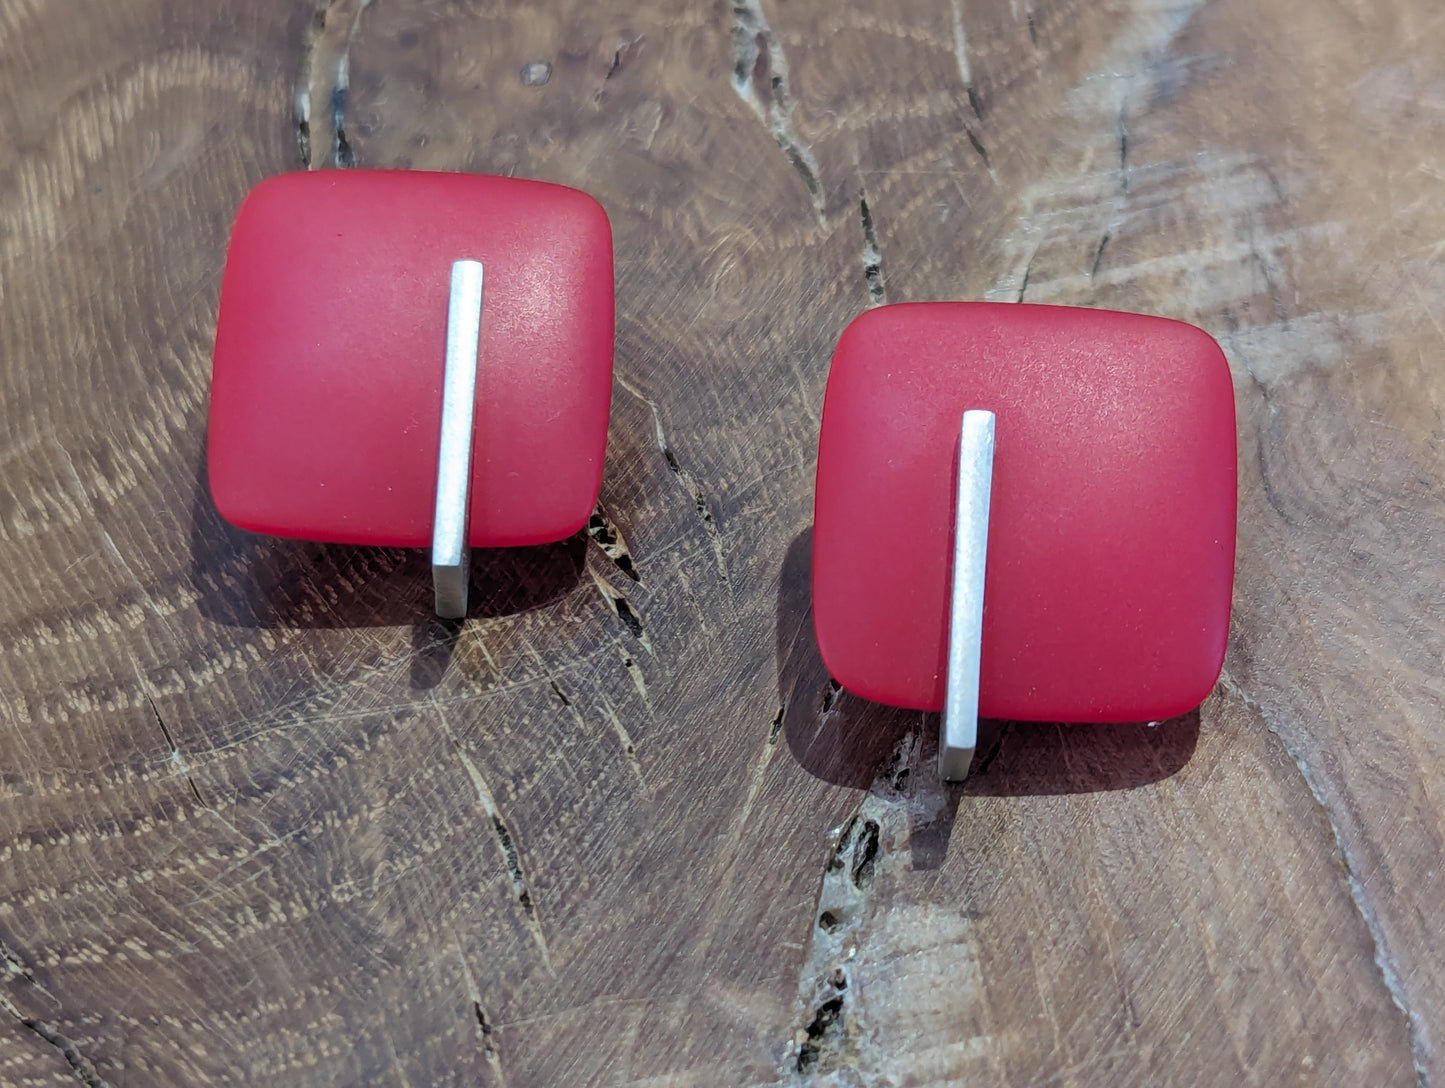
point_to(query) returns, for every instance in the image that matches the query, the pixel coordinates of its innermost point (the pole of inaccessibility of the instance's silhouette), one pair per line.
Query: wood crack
(1099, 256)
(84, 1070)
(832, 1034)
(977, 142)
(872, 255)
(80, 1065)
(760, 768)
(485, 1029)
(702, 507)
(176, 757)
(1122, 129)
(605, 534)
(1028, 271)
(624, 738)
(304, 83)
(1383, 960)
(623, 609)
(318, 49)
(760, 78)
(343, 155)
(511, 856)
(960, 52)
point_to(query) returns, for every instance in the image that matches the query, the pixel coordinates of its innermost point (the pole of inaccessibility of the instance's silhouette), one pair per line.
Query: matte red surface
(1111, 537)
(330, 353)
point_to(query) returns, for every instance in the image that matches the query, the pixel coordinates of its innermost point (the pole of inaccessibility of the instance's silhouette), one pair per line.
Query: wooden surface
(264, 823)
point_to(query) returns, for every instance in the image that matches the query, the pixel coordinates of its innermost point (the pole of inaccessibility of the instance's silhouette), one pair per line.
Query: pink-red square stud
(413, 359)
(1062, 552)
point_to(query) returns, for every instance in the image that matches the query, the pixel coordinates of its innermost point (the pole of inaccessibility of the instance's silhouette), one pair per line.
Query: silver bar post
(959, 730)
(450, 551)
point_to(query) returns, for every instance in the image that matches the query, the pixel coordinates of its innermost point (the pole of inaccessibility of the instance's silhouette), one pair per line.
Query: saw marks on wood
(263, 820)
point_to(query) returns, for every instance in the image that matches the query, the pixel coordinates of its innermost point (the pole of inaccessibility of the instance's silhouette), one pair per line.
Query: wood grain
(264, 822)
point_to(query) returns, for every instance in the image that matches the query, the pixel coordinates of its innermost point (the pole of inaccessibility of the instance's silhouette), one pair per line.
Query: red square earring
(413, 360)
(1025, 512)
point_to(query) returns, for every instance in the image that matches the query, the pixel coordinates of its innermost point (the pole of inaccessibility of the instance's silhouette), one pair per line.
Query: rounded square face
(330, 353)
(1110, 560)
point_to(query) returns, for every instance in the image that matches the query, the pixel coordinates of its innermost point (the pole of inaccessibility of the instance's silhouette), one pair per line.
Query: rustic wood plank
(266, 823)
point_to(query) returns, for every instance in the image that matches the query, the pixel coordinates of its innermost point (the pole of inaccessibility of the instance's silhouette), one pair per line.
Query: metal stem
(450, 551)
(958, 735)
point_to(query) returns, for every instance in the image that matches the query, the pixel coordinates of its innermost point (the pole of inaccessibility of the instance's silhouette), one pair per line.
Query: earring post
(959, 727)
(450, 551)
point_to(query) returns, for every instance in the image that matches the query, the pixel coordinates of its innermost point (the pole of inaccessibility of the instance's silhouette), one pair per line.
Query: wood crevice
(507, 846)
(306, 80)
(1389, 975)
(832, 1034)
(872, 255)
(760, 78)
(80, 1066)
(604, 532)
(317, 64)
(701, 506)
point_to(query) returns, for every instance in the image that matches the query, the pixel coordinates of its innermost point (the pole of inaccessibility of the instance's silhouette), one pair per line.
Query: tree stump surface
(264, 822)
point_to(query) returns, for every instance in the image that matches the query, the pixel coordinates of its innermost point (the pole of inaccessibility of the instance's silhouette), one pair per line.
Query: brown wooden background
(264, 823)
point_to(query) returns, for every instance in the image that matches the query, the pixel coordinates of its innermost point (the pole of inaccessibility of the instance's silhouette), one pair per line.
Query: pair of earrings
(437, 373)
